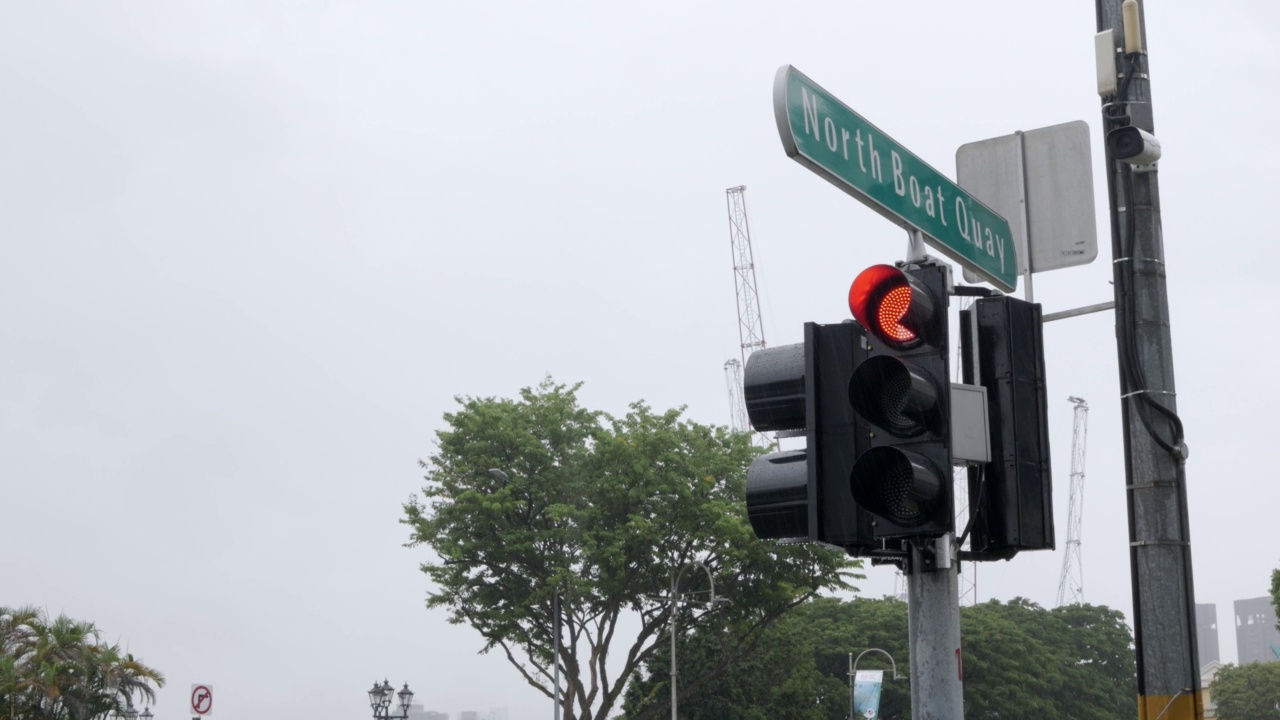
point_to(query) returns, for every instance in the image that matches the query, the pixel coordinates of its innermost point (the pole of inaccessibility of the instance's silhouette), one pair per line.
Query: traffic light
(900, 395)
(873, 401)
(1010, 498)
(803, 389)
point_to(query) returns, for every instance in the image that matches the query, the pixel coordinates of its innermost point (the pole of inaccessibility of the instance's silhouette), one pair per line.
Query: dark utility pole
(1155, 452)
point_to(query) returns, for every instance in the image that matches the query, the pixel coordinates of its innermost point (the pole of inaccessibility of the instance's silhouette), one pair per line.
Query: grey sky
(249, 251)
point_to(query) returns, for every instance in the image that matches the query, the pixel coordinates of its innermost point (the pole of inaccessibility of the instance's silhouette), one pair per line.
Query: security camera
(1133, 145)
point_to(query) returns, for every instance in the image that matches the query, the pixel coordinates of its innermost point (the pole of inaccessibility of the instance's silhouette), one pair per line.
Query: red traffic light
(891, 305)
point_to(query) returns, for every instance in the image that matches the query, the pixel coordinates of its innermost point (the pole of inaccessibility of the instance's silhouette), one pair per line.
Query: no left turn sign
(201, 700)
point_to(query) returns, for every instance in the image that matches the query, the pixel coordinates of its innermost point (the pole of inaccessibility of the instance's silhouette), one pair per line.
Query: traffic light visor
(778, 495)
(890, 304)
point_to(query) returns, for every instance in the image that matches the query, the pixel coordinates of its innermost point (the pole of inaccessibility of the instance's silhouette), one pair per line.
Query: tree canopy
(62, 670)
(603, 511)
(798, 671)
(1247, 692)
(1023, 661)
(1275, 594)
(1020, 661)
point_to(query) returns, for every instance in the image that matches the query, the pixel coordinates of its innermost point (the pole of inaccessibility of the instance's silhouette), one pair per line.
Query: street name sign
(838, 144)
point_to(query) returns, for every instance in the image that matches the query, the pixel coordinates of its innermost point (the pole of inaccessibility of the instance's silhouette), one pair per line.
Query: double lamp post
(380, 697)
(131, 713)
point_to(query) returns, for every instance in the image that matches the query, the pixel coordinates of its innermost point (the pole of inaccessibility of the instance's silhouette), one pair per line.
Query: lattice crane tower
(737, 402)
(1071, 584)
(750, 328)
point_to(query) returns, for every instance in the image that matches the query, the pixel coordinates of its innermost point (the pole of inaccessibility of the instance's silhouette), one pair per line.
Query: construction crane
(750, 328)
(1071, 584)
(737, 403)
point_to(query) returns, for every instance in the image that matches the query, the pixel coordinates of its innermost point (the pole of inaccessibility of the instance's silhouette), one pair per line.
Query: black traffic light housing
(1011, 497)
(873, 402)
(900, 395)
(805, 494)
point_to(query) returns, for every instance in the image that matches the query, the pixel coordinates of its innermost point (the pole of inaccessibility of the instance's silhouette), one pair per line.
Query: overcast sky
(250, 251)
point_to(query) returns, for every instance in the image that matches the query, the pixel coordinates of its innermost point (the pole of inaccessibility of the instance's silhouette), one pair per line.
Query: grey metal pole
(555, 624)
(933, 628)
(674, 599)
(916, 251)
(1155, 454)
(851, 686)
(674, 607)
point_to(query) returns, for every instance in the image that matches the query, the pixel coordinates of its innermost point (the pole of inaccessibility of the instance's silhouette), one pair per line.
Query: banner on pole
(866, 694)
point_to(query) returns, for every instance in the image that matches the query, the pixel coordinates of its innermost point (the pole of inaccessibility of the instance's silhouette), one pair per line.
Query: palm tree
(17, 627)
(57, 661)
(121, 679)
(63, 671)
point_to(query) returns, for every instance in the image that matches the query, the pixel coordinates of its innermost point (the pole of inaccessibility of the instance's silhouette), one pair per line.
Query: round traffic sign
(201, 700)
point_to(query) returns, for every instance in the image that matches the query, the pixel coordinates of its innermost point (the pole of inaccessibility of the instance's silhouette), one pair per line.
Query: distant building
(1207, 673)
(1207, 632)
(417, 712)
(1257, 639)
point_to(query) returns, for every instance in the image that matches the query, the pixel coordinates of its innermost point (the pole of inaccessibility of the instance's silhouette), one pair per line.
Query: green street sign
(829, 138)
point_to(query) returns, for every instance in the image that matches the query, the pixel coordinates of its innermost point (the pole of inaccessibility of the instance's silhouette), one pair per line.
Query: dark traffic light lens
(894, 395)
(897, 485)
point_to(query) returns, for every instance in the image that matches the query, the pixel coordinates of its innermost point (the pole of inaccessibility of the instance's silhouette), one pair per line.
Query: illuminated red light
(889, 315)
(881, 298)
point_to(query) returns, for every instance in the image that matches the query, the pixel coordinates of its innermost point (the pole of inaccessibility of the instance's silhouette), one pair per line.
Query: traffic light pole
(1155, 454)
(933, 627)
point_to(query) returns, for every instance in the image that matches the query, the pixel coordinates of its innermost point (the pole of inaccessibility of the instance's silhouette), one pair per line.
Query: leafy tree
(800, 670)
(61, 670)
(1020, 661)
(1247, 692)
(601, 510)
(1275, 594)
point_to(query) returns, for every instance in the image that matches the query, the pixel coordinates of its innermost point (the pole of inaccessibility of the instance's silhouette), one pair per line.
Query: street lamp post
(131, 713)
(853, 670)
(380, 697)
(674, 599)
